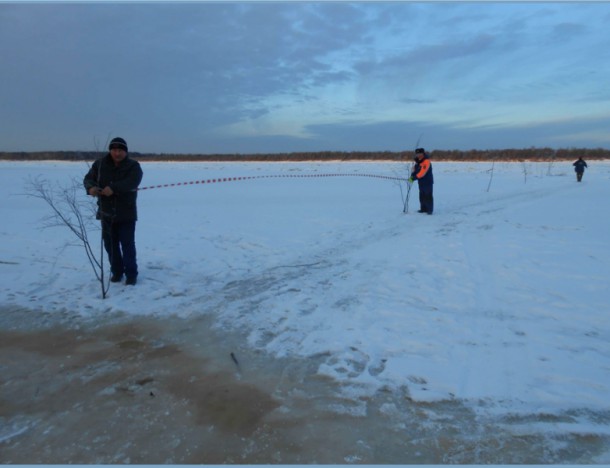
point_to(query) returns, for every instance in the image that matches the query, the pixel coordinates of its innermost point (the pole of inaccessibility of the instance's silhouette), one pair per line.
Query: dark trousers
(426, 200)
(579, 176)
(120, 245)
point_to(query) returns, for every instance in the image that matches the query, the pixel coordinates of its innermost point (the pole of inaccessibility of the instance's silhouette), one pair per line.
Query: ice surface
(500, 298)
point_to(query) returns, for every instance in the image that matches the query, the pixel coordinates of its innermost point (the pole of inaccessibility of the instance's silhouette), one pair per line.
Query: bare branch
(491, 175)
(66, 210)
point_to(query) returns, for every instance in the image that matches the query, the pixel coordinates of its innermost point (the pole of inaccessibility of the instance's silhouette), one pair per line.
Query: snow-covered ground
(500, 299)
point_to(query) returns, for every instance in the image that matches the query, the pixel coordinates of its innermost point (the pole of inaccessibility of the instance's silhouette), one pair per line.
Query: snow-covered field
(500, 299)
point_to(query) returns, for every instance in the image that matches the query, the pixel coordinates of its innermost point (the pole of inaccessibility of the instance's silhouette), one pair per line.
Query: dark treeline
(529, 154)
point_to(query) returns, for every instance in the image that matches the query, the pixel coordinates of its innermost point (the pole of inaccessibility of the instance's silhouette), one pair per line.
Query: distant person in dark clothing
(114, 180)
(579, 168)
(422, 172)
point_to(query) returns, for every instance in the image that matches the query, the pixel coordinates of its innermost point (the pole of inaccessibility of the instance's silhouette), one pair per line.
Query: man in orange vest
(422, 172)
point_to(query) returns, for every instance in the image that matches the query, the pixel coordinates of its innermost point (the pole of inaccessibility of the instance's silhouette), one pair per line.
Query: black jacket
(123, 180)
(579, 165)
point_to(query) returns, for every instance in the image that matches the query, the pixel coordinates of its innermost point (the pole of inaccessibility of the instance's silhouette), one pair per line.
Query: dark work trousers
(579, 176)
(120, 245)
(426, 200)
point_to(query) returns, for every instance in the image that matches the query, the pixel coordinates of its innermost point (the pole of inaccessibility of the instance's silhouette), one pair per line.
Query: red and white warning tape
(234, 179)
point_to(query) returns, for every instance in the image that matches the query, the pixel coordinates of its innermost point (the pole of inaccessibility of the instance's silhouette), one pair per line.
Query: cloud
(185, 74)
(401, 135)
(565, 31)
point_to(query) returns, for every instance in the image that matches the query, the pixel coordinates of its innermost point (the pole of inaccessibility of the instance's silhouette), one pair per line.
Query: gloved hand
(411, 179)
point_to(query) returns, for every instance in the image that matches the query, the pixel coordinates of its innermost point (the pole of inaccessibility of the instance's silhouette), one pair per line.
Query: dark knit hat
(118, 143)
(420, 151)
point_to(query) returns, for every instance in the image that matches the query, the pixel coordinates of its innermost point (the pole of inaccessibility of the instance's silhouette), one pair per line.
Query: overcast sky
(245, 77)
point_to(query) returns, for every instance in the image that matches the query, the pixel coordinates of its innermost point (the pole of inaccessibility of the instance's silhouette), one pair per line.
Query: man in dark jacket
(579, 168)
(114, 180)
(422, 172)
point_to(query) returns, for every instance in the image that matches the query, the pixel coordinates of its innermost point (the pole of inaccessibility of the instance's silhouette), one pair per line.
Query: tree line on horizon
(527, 154)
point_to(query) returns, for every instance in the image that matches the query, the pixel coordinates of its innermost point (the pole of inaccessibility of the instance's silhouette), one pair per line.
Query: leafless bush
(491, 175)
(67, 210)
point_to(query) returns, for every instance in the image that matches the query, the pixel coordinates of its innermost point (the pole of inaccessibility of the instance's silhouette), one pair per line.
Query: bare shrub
(73, 212)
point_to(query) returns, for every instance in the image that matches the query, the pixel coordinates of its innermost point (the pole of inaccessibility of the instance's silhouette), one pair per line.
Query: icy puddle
(145, 390)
